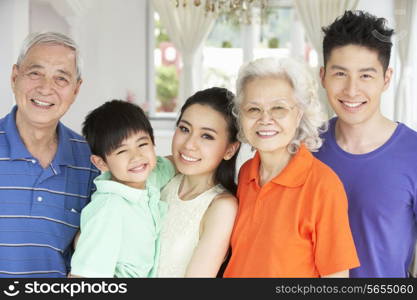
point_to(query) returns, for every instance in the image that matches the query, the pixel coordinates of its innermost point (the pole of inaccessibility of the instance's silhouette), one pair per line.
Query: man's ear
(231, 150)
(387, 78)
(99, 163)
(77, 86)
(15, 71)
(322, 74)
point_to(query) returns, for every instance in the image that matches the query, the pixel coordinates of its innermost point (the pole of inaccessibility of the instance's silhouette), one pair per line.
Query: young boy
(120, 226)
(374, 157)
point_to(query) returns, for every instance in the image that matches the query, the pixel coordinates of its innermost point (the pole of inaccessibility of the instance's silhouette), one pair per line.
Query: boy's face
(131, 162)
(354, 80)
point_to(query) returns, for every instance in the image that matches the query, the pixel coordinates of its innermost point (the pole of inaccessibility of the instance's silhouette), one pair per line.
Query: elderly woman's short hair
(54, 38)
(313, 121)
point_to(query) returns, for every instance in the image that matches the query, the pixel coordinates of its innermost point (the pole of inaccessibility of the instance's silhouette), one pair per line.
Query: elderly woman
(293, 213)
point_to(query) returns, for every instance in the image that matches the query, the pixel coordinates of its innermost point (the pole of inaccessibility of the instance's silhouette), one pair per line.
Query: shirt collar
(63, 156)
(16, 146)
(295, 172)
(105, 184)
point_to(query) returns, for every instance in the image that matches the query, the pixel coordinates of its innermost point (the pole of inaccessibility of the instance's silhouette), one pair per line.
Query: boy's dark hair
(361, 29)
(219, 99)
(109, 124)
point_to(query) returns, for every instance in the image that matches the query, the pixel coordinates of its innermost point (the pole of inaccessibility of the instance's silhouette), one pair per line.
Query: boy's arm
(164, 171)
(171, 159)
(98, 246)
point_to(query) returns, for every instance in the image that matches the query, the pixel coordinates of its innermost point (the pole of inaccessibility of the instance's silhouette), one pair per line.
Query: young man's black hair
(109, 124)
(361, 29)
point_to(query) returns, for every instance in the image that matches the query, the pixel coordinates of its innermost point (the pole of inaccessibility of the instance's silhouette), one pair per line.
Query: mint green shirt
(120, 227)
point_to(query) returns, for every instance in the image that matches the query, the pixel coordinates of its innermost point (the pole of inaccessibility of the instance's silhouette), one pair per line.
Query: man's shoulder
(76, 141)
(73, 136)
(408, 133)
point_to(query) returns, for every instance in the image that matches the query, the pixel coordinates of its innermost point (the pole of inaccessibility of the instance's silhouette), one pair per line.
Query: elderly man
(45, 172)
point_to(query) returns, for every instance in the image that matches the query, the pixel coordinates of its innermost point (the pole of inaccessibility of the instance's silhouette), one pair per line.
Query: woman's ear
(231, 150)
(99, 163)
(299, 117)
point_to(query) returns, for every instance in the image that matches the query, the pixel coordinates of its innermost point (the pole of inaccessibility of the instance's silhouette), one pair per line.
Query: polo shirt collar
(105, 184)
(295, 172)
(16, 145)
(63, 156)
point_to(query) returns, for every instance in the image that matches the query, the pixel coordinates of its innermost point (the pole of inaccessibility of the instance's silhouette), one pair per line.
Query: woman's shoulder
(323, 172)
(225, 199)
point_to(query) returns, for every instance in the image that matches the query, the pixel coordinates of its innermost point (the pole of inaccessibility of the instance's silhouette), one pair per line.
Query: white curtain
(315, 14)
(188, 27)
(405, 109)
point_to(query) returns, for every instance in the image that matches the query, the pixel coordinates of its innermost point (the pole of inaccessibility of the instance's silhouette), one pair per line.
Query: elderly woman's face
(269, 115)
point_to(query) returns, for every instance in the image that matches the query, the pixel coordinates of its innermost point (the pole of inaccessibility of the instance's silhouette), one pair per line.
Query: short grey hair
(313, 121)
(54, 38)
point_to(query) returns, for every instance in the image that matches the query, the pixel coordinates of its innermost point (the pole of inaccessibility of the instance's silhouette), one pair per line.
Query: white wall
(112, 38)
(385, 11)
(14, 26)
(43, 17)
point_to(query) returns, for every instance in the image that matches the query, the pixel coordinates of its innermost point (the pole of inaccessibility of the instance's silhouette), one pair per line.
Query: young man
(45, 170)
(374, 157)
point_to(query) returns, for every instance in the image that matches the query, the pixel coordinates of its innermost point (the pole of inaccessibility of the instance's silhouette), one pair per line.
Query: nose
(45, 86)
(351, 87)
(265, 117)
(190, 143)
(136, 154)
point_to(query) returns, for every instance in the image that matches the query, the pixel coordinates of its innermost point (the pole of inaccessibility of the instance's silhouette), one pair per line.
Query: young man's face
(354, 80)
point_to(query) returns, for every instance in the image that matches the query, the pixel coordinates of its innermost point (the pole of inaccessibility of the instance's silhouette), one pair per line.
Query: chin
(271, 147)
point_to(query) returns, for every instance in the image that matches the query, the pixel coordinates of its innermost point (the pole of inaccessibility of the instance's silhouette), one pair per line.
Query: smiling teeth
(352, 104)
(139, 168)
(187, 158)
(41, 103)
(267, 133)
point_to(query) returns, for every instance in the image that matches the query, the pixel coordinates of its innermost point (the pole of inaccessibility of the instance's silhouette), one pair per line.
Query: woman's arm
(217, 226)
(341, 274)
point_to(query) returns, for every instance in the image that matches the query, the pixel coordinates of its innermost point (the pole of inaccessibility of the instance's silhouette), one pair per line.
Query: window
(228, 46)
(167, 64)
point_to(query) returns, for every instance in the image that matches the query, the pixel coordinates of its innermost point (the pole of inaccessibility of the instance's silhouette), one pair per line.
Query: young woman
(201, 203)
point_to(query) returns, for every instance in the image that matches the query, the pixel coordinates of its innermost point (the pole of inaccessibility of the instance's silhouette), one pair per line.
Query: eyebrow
(36, 66)
(204, 128)
(138, 140)
(65, 73)
(369, 69)
(273, 102)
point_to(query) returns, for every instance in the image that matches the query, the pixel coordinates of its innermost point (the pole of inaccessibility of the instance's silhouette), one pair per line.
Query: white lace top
(180, 231)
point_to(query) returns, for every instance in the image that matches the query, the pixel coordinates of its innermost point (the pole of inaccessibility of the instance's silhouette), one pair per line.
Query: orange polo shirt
(296, 225)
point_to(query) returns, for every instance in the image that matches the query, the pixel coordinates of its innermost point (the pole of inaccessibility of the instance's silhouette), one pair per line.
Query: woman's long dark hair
(221, 100)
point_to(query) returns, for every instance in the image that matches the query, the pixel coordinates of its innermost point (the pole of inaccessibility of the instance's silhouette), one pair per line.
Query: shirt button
(33, 161)
(39, 199)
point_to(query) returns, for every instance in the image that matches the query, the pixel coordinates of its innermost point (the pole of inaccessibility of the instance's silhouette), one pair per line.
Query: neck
(41, 142)
(364, 137)
(194, 185)
(272, 163)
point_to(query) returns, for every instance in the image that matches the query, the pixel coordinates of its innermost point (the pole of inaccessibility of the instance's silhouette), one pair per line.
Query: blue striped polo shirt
(40, 207)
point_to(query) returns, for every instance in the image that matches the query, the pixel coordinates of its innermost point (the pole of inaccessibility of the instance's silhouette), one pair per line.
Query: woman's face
(269, 115)
(201, 141)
